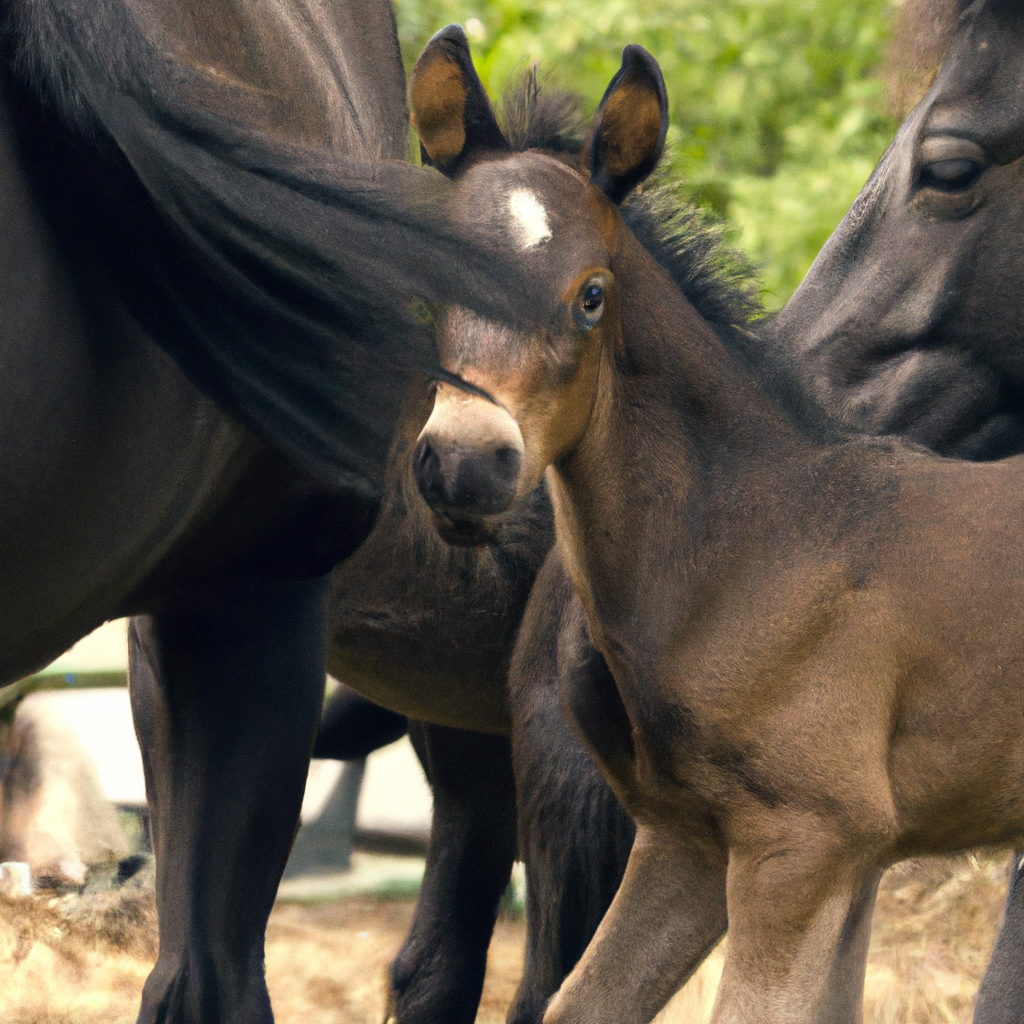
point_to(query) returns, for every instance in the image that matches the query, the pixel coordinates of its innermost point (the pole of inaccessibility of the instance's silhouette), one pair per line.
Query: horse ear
(627, 135)
(450, 109)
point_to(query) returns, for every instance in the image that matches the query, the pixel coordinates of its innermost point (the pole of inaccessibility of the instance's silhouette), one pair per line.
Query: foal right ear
(628, 132)
(450, 109)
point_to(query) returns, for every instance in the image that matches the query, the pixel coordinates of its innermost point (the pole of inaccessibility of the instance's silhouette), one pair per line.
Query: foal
(789, 675)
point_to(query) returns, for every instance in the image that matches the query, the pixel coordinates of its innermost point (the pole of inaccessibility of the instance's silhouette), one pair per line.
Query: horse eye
(952, 175)
(593, 297)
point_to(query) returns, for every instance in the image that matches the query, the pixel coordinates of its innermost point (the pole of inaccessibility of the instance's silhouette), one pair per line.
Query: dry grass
(76, 959)
(936, 921)
(83, 959)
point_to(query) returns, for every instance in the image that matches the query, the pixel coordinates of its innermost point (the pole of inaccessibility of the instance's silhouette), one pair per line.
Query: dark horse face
(531, 396)
(910, 319)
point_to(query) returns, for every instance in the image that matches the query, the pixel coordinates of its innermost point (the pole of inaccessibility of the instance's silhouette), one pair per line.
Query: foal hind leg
(226, 689)
(799, 926)
(438, 974)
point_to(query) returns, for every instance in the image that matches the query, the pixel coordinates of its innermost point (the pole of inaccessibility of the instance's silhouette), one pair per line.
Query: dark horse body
(671, 748)
(205, 181)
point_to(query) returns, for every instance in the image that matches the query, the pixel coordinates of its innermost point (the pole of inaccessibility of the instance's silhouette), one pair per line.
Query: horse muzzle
(468, 463)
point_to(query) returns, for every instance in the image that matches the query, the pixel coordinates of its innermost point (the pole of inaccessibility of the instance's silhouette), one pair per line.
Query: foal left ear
(627, 135)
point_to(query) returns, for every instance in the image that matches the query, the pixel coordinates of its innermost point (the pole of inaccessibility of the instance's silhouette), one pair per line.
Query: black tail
(290, 283)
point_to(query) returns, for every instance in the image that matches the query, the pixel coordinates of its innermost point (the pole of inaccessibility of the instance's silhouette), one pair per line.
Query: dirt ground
(82, 959)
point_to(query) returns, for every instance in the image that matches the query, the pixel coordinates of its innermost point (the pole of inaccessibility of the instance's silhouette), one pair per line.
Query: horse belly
(107, 457)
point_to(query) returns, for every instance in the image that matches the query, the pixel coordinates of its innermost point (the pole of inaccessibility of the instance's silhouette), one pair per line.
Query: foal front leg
(668, 914)
(226, 688)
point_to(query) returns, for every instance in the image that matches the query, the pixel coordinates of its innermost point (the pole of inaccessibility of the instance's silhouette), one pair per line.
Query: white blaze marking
(531, 219)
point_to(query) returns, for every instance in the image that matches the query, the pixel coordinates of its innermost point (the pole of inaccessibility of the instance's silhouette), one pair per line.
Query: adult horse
(206, 262)
(906, 323)
(765, 657)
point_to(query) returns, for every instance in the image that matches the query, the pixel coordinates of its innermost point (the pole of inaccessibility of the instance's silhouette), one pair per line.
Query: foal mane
(532, 117)
(687, 242)
(721, 283)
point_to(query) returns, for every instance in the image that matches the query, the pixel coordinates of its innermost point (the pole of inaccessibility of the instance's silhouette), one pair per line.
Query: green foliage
(778, 109)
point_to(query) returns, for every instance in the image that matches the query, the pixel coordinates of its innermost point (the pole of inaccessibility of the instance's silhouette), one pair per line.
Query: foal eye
(591, 305)
(954, 175)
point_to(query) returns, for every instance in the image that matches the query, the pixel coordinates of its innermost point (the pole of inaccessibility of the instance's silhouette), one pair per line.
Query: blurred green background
(778, 107)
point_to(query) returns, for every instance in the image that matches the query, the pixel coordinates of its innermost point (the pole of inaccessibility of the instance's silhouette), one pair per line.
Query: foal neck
(680, 428)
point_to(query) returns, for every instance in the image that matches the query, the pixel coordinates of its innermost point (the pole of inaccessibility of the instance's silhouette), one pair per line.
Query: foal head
(531, 394)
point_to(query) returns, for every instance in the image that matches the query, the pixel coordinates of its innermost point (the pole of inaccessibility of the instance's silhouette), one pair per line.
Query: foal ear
(627, 135)
(450, 109)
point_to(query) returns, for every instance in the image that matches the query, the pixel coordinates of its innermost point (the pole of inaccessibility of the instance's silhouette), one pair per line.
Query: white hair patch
(530, 218)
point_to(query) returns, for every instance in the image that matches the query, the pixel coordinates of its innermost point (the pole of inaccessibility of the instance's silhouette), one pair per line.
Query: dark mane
(689, 244)
(921, 35)
(721, 283)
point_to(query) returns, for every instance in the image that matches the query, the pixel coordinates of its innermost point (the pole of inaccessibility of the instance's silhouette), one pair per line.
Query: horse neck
(679, 426)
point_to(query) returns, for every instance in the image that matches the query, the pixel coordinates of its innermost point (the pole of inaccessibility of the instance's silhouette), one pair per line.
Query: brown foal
(810, 658)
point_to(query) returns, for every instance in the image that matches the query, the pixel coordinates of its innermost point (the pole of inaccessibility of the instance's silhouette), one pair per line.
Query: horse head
(509, 405)
(908, 321)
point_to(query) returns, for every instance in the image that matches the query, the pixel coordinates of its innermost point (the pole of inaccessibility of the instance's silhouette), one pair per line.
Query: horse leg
(1001, 995)
(666, 917)
(353, 726)
(438, 974)
(226, 689)
(574, 838)
(799, 926)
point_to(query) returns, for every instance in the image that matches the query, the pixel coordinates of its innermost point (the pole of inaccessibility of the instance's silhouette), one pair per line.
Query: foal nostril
(427, 471)
(507, 462)
(423, 453)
